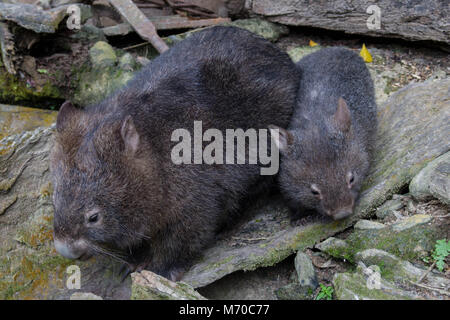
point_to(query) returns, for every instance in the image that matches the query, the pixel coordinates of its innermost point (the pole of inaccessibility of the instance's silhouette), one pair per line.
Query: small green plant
(42, 71)
(325, 293)
(440, 252)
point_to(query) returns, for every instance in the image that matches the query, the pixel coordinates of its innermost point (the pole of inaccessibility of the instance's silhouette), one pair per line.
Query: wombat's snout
(74, 250)
(340, 213)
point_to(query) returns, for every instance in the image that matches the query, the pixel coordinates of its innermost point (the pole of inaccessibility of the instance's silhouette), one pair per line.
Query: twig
(136, 46)
(426, 273)
(431, 288)
(445, 216)
(143, 26)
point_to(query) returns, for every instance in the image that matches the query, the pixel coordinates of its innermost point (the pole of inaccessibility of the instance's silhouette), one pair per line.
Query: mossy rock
(354, 286)
(408, 244)
(15, 91)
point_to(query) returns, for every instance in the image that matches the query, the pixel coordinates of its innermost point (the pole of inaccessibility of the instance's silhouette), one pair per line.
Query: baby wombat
(116, 189)
(325, 150)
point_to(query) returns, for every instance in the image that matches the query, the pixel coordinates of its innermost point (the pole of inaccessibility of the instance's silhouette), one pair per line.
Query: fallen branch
(143, 26)
(426, 273)
(431, 288)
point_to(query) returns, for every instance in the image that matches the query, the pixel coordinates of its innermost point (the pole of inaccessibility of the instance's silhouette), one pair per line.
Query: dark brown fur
(112, 162)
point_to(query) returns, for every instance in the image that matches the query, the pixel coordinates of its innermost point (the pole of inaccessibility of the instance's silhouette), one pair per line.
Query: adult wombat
(117, 191)
(325, 151)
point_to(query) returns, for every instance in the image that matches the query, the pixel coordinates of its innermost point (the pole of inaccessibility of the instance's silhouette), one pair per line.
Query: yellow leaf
(312, 43)
(365, 54)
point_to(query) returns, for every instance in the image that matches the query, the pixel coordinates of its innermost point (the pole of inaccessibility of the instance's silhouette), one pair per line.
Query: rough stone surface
(298, 53)
(411, 222)
(412, 20)
(395, 269)
(332, 244)
(388, 208)
(433, 181)
(409, 243)
(84, 296)
(413, 130)
(102, 77)
(354, 286)
(368, 225)
(270, 31)
(147, 285)
(102, 55)
(35, 18)
(306, 274)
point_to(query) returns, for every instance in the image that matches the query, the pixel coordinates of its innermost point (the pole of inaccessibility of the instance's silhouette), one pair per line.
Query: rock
(358, 286)
(411, 222)
(89, 33)
(368, 225)
(85, 296)
(299, 52)
(268, 30)
(332, 245)
(265, 240)
(306, 274)
(127, 62)
(433, 181)
(103, 77)
(15, 91)
(147, 285)
(388, 208)
(395, 269)
(235, 7)
(408, 243)
(102, 55)
(36, 19)
(409, 20)
(7, 48)
(413, 130)
(30, 268)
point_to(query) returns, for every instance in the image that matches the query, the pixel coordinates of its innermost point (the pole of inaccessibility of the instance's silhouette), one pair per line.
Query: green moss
(308, 237)
(353, 286)
(402, 244)
(14, 91)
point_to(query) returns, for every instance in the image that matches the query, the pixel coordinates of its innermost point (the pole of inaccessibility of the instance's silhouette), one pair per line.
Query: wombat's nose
(66, 250)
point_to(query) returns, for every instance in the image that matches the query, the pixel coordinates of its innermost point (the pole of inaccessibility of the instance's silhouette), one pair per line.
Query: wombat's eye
(315, 191)
(93, 218)
(351, 178)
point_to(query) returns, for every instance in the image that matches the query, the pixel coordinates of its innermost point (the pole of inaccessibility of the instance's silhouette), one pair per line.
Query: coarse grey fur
(326, 149)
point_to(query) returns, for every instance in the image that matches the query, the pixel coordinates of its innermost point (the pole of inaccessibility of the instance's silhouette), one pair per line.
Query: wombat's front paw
(127, 269)
(175, 274)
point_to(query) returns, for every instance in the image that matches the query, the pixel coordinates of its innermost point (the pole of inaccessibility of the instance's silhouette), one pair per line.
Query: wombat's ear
(282, 137)
(67, 113)
(130, 136)
(342, 116)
